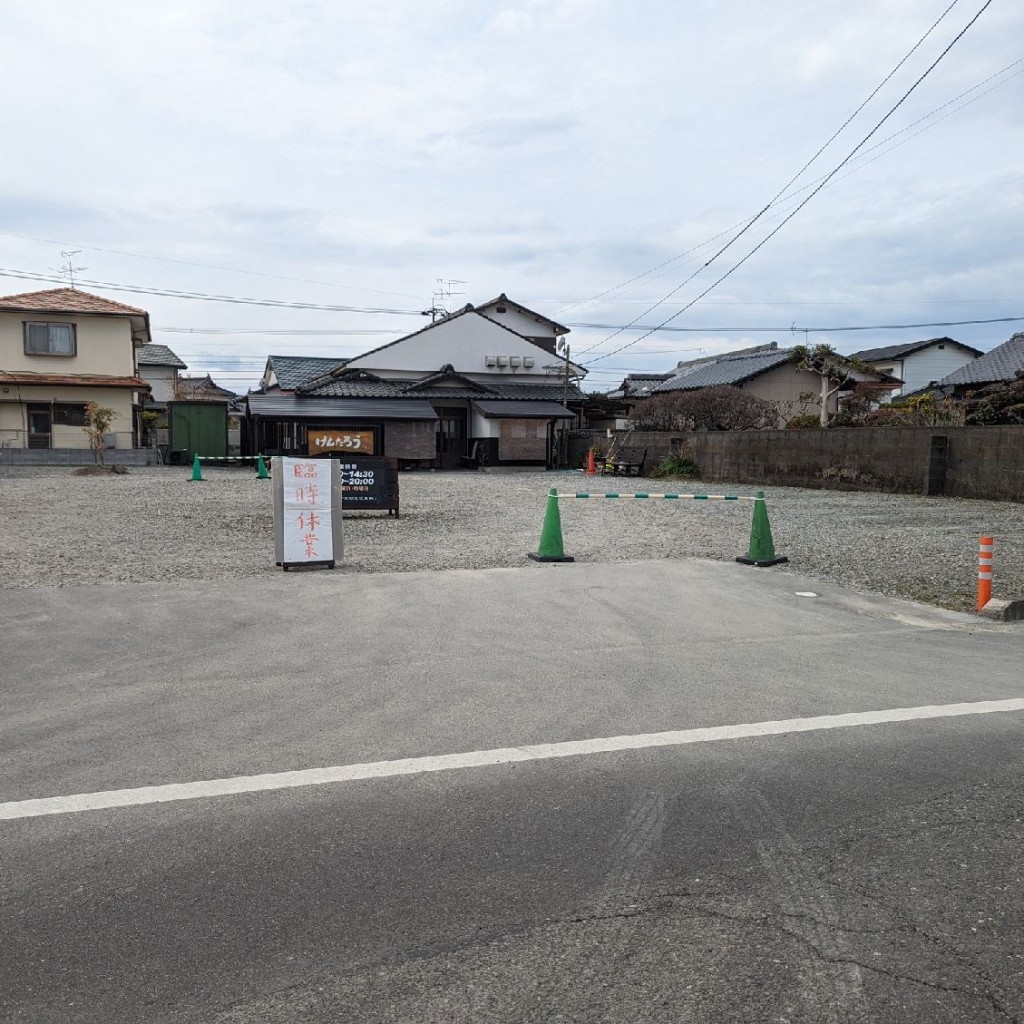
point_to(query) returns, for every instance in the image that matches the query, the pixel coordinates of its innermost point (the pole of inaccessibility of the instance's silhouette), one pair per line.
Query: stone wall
(965, 462)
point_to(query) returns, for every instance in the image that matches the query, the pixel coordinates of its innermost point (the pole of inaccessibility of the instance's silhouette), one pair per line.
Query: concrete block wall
(77, 457)
(973, 462)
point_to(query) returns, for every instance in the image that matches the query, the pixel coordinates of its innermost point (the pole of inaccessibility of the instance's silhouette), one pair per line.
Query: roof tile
(1001, 363)
(66, 300)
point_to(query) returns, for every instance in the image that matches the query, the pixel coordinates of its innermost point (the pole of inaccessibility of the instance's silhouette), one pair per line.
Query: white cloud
(548, 148)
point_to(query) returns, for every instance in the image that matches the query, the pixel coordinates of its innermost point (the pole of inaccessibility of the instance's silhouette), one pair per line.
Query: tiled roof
(353, 388)
(66, 300)
(876, 355)
(305, 407)
(159, 355)
(728, 369)
(536, 392)
(294, 371)
(199, 387)
(90, 380)
(1002, 363)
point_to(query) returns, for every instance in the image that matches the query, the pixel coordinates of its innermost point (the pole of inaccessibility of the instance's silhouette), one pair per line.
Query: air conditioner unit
(514, 361)
(527, 361)
(503, 360)
(490, 361)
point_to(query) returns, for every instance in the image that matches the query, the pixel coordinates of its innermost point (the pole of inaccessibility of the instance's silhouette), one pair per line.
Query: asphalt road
(868, 873)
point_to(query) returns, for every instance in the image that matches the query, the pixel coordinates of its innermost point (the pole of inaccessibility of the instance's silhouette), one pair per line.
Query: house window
(69, 415)
(49, 339)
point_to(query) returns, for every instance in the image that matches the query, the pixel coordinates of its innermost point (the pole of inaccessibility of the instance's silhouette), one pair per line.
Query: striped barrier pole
(985, 548)
(670, 497)
(261, 466)
(761, 551)
(229, 458)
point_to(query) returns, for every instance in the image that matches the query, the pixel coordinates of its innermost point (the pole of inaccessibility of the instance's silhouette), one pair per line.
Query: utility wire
(789, 184)
(860, 164)
(808, 198)
(794, 328)
(205, 266)
(24, 275)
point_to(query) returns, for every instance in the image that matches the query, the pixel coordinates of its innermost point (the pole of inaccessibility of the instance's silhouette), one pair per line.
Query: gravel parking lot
(155, 524)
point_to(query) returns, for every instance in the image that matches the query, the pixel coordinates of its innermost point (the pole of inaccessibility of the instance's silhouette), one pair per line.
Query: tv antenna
(443, 294)
(68, 270)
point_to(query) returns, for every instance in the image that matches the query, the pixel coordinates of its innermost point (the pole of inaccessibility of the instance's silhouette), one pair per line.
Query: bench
(624, 462)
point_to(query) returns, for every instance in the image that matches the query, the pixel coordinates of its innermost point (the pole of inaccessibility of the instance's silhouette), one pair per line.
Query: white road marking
(482, 759)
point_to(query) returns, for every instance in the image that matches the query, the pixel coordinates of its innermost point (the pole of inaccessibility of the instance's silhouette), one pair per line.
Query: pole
(985, 546)
(563, 448)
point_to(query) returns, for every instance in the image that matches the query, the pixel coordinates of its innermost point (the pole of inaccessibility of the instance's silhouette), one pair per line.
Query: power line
(324, 332)
(793, 327)
(860, 164)
(207, 266)
(785, 188)
(822, 185)
(203, 297)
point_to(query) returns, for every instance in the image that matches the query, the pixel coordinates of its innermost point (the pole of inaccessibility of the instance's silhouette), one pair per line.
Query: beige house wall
(13, 420)
(784, 384)
(104, 345)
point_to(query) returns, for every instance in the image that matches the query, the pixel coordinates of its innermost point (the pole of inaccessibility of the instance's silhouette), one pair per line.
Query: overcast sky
(342, 153)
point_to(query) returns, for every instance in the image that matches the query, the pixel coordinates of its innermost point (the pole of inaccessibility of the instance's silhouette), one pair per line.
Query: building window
(50, 339)
(69, 415)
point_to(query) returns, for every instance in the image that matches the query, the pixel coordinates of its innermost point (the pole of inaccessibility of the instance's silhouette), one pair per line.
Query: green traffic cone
(551, 549)
(261, 469)
(197, 473)
(762, 547)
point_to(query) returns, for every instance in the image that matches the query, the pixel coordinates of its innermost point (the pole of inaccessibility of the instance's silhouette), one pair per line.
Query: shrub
(804, 421)
(721, 408)
(999, 403)
(676, 465)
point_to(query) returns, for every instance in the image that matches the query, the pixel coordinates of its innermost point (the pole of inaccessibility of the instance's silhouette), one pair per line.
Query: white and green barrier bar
(667, 497)
(761, 551)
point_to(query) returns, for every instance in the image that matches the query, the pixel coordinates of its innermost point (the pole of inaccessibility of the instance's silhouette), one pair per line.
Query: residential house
(466, 389)
(60, 349)
(159, 367)
(286, 373)
(765, 371)
(1003, 363)
(918, 363)
(533, 326)
(638, 385)
(203, 389)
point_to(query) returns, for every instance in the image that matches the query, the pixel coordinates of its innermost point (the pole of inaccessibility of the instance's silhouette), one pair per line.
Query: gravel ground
(156, 524)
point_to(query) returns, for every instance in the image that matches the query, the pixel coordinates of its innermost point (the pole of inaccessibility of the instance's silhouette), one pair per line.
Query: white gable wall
(521, 323)
(464, 341)
(918, 369)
